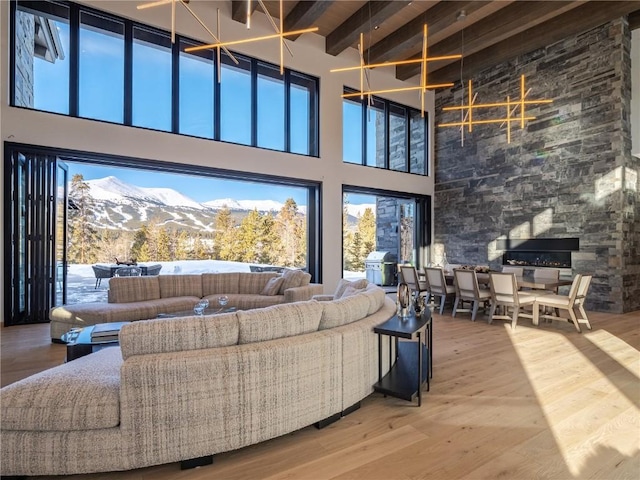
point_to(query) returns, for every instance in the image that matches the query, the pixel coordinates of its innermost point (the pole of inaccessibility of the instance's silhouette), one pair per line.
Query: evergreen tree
(82, 234)
(200, 251)
(355, 252)
(269, 241)
(290, 227)
(367, 230)
(181, 246)
(249, 237)
(225, 238)
(140, 246)
(163, 246)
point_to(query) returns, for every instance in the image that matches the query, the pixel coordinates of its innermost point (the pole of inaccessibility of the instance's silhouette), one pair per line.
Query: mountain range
(122, 206)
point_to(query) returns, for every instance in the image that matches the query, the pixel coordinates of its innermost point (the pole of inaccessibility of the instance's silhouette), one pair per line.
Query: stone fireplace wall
(569, 173)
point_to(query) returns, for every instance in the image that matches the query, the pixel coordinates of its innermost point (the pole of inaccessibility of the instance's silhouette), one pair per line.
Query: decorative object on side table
(404, 300)
(419, 304)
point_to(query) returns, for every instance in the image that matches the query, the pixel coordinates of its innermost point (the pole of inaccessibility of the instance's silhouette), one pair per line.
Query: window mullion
(175, 86)
(254, 102)
(128, 72)
(74, 60)
(287, 111)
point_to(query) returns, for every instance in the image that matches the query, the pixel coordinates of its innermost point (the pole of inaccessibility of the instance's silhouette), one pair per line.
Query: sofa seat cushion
(246, 301)
(279, 321)
(180, 285)
(133, 289)
(344, 311)
(85, 314)
(179, 334)
(80, 395)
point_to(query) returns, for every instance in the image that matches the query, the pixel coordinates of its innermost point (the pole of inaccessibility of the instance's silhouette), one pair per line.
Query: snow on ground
(81, 281)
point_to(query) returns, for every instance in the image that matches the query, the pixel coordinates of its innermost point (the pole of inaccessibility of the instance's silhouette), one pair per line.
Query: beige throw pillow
(343, 284)
(292, 279)
(273, 286)
(350, 290)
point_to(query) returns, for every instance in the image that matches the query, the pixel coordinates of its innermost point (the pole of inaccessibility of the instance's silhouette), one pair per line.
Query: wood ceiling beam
(304, 14)
(371, 13)
(239, 10)
(634, 20)
(408, 38)
(509, 21)
(586, 16)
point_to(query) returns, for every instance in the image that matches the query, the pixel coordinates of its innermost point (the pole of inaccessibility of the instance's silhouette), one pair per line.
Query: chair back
(129, 272)
(409, 276)
(101, 272)
(573, 291)
(154, 269)
(583, 288)
(504, 287)
(466, 283)
(546, 273)
(519, 271)
(435, 279)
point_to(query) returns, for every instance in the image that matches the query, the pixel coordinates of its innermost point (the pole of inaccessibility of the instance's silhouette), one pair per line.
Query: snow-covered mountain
(121, 205)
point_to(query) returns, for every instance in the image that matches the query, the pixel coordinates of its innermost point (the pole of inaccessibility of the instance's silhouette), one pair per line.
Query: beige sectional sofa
(142, 298)
(185, 388)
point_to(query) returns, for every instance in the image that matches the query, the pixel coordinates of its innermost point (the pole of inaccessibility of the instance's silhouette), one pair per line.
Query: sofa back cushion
(254, 283)
(272, 287)
(293, 279)
(376, 297)
(279, 321)
(343, 283)
(133, 289)
(345, 310)
(180, 286)
(215, 283)
(178, 334)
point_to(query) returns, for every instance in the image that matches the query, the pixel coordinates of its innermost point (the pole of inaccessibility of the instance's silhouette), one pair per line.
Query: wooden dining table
(524, 281)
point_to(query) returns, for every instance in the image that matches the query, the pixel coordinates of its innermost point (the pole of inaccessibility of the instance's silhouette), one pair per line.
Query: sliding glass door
(35, 246)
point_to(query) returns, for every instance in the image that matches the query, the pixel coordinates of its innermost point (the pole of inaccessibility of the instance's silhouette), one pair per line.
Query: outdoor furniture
(100, 271)
(128, 272)
(467, 290)
(505, 294)
(437, 285)
(573, 304)
(153, 270)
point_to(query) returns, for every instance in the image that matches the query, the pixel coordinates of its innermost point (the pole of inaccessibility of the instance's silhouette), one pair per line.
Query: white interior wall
(45, 129)
(635, 92)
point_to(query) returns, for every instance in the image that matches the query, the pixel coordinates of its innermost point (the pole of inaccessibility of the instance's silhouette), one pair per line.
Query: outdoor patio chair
(154, 269)
(128, 272)
(101, 271)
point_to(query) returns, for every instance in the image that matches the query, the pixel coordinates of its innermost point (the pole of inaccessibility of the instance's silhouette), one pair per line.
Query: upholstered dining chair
(505, 294)
(573, 304)
(128, 272)
(409, 275)
(101, 271)
(547, 274)
(519, 271)
(467, 290)
(437, 285)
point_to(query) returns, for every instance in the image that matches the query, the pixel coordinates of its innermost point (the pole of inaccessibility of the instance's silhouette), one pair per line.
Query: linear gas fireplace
(538, 252)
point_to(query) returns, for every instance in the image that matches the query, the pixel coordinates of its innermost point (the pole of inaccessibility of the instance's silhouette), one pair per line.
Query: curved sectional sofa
(143, 298)
(180, 389)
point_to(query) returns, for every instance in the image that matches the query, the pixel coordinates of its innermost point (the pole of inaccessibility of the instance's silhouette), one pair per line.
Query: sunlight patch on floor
(580, 429)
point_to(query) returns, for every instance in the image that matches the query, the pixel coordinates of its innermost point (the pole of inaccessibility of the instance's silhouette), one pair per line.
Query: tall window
(41, 70)
(101, 82)
(394, 135)
(78, 61)
(197, 71)
(303, 102)
(235, 100)
(271, 116)
(151, 105)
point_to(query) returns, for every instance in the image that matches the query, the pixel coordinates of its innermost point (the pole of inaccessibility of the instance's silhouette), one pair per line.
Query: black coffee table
(80, 341)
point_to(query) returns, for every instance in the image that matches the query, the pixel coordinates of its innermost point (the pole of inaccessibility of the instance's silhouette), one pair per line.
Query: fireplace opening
(538, 252)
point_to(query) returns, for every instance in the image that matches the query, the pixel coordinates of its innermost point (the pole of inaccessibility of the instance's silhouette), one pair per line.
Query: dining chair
(437, 285)
(505, 294)
(519, 271)
(100, 271)
(467, 290)
(547, 274)
(409, 275)
(571, 303)
(128, 272)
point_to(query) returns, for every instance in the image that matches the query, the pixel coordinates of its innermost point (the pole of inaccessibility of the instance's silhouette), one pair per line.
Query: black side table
(412, 366)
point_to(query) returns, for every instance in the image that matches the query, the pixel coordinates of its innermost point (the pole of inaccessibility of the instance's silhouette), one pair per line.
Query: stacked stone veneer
(569, 173)
(25, 28)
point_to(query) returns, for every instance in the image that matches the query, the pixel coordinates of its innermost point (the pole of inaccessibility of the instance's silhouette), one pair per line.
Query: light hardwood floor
(535, 403)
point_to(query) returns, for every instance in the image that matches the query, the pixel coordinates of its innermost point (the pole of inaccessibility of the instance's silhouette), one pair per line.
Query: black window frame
(388, 106)
(49, 7)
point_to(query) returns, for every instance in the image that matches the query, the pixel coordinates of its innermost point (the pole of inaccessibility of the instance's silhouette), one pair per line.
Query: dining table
(524, 281)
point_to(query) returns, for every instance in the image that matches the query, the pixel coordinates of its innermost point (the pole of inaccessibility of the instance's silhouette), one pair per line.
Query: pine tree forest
(262, 238)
